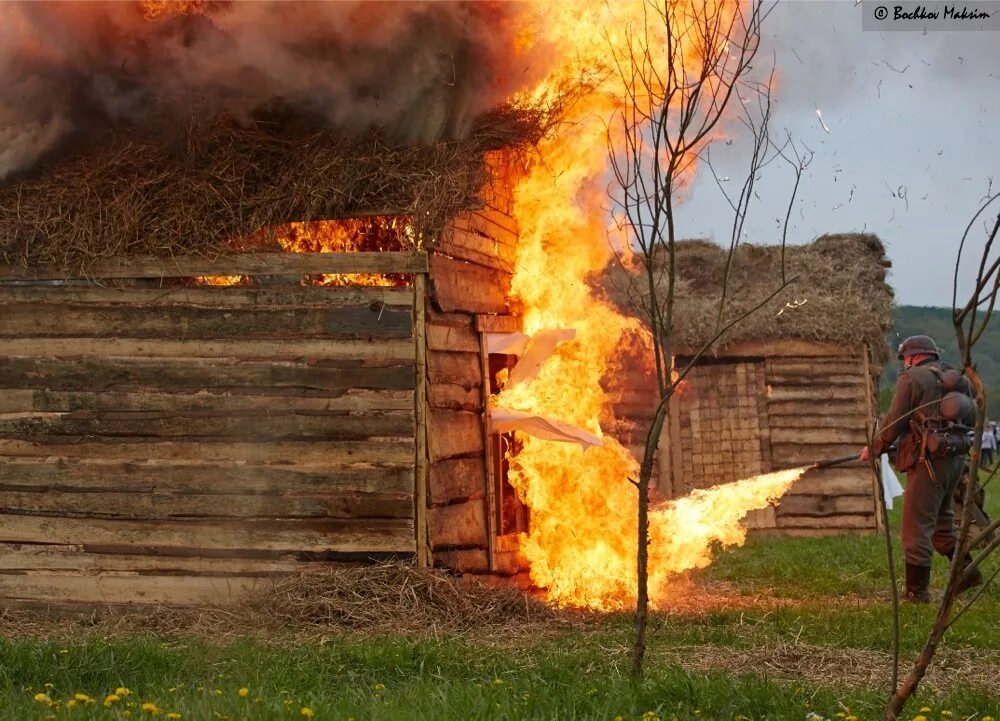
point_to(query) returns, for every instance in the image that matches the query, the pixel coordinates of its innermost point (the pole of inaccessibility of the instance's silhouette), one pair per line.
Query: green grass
(376, 678)
(811, 595)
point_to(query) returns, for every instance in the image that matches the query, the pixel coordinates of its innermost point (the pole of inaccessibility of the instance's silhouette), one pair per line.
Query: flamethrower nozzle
(830, 462)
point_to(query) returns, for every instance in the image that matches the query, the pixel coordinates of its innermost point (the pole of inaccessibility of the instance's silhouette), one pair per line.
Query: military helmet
(918, 345)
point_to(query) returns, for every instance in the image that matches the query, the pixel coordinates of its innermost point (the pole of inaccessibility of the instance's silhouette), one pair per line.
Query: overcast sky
(911, 152)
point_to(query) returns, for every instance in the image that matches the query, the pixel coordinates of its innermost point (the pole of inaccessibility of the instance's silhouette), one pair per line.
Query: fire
(582, 540)
(153, 9)
(349, 235)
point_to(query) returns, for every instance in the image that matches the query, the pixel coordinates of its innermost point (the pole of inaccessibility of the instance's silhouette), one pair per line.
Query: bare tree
(970, 323)
(682, 66)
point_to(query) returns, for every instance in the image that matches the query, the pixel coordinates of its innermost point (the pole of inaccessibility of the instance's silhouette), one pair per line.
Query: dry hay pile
(389, 597)
(392, 596)
(201, 191)
(839, 294)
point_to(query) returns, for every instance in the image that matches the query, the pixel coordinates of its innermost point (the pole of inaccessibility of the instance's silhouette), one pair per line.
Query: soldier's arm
(897, 420)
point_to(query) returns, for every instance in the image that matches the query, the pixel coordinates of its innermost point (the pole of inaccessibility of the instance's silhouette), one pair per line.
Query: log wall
(180, 445)
(471, 267)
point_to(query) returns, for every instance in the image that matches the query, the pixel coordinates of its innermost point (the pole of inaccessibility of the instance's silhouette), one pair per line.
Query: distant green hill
(936, 322)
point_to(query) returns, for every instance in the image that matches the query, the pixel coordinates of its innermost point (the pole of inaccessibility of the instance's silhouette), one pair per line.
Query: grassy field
(780, 629)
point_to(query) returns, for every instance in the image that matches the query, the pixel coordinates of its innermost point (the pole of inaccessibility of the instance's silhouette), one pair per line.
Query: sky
(910, 150)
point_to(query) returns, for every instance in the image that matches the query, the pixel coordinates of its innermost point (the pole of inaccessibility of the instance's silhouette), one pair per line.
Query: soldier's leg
(921, 505)
(948, 472)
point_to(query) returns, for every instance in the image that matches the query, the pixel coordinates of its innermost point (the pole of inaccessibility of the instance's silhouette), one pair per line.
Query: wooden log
(778, 410)
(499, 323)
(156, 425)
(235, 264)
(788, 455)
(114, 590)
(397, 452)
(363, 349)
(165, 506)
(353, 401)
(53, 320)
(807, 434)
(214, 297)
(454, 397)
(488, 223)
(453, 338)
(75, 560)
(251, 377)
(457, 479)
(817, 380)
(462, 286)
(866, 521)
(461, 524)
(802, 505)
(454, 433)
(812, 369)
(461, 369)
(360, 535)
(834, 482)
(817, 394)
(465, 244)
(145, 476)
(463, 560)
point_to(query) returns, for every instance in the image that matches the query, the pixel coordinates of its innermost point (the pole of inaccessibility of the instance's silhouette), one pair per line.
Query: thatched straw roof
(839, 295)
(200, 190)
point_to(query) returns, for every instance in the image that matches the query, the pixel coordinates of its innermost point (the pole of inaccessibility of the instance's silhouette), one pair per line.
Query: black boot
(918, 579)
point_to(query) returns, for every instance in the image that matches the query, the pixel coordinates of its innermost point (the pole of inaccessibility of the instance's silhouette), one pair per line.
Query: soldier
(931, 413)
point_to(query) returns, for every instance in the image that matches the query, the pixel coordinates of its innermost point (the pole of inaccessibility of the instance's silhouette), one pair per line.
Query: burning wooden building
(187, 408)
(793, 383)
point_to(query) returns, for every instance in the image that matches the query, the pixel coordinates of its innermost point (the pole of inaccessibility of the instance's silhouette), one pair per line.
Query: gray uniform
(928, 515)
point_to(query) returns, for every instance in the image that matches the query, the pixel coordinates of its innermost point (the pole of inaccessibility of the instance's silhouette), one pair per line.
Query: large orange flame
(582, 539)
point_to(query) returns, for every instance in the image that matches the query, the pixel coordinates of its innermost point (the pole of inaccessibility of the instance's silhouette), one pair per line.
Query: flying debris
(821, 122)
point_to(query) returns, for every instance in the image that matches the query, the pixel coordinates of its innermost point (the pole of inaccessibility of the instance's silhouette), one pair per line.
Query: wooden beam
(460, 524)
(454, 433)
(489, 478)
(238, 297)
(461, 286)
(45, 474)
(235, 264)
(422, 414)
(386, 350)
(499, 323)
(249, 377)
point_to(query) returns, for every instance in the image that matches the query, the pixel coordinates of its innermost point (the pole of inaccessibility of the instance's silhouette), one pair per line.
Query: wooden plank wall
(179, 445)
(819, 408)
(471, 267)
(811, 402)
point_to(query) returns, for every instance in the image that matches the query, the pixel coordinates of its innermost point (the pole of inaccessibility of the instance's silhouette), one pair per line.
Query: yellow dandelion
(173, 715)
(63, 651)
(49, 685)
(925, 709)
(42, 698)
(619, 718)
(150, 708)
(307, 712)
(122, 691)
(381, 686)
(498, 681)
(945, 712)
(83, 697)
(921, 717)
(71, 703)
(851, 718)
(987, 718)
(111, 698)
(244, 692)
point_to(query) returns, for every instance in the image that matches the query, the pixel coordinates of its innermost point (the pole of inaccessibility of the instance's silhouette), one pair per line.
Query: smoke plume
(69, 71)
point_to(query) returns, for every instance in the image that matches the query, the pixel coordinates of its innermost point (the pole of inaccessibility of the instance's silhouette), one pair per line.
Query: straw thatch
(200, 191)
(839, 293)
